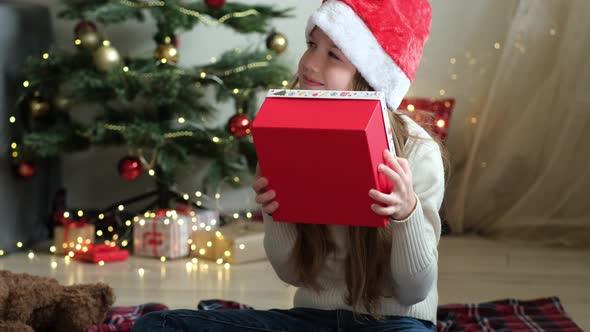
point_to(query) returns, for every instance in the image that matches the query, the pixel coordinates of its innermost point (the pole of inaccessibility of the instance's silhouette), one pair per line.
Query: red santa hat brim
(355, 40)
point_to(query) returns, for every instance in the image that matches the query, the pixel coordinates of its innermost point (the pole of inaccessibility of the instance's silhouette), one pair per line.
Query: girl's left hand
(400, 203)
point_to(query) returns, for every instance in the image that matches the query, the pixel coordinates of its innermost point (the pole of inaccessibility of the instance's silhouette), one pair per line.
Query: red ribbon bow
(69, 224)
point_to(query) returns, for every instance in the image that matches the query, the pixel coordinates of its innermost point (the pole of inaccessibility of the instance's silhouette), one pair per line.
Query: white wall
(463, 29)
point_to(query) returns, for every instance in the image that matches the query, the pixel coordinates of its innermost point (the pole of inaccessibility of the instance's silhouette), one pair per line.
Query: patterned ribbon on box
(153, 239)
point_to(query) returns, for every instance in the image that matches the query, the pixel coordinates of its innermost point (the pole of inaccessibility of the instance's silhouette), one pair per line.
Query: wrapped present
(205, 219)
(71, 234)
(302, 137)
(238, 242)
(100, 253)
(164, 233)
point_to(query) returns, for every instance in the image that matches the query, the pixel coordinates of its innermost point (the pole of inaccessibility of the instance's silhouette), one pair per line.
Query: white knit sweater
(412, 287)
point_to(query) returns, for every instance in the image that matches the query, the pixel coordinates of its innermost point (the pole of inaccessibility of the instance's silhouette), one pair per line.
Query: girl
(354, 278)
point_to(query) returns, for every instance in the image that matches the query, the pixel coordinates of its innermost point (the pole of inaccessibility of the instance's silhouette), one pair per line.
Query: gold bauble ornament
(166, 53)
(87, 40)
(38, 106)
(277, 42)
(106, 58)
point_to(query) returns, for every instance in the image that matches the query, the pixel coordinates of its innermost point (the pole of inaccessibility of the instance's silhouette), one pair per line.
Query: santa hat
(382, 38)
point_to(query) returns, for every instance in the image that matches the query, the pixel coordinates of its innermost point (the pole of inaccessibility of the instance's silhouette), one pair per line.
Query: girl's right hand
(264, 197)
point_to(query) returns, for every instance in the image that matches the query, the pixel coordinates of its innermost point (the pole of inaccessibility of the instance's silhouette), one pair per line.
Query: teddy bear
(32, 303)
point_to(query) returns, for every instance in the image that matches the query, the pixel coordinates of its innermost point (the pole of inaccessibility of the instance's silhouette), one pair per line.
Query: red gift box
(320, 151)
(101, 252)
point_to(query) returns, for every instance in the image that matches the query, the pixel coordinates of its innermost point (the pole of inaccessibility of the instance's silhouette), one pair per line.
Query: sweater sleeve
(414, 253)
(279, 240)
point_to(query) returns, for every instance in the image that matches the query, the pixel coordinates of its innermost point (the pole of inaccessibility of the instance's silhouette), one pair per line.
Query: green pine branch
(102, 11)
(248, 71)
(250, 23)
(171, 151)
(60, 139)
(144, 101)
(174, 15)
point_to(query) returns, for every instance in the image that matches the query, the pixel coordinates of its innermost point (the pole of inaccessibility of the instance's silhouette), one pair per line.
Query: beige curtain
(526, 174)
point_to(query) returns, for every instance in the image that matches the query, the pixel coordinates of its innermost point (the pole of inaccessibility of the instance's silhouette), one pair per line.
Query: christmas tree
(150, 105)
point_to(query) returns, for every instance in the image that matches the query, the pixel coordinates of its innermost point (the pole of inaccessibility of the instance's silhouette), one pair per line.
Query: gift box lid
(101, 252)
(320, 151)
(241, 229)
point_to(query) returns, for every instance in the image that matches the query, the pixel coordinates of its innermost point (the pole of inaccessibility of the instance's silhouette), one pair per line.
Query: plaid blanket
(540, 315)
(544, 314)
(121, 319)
(222, 304)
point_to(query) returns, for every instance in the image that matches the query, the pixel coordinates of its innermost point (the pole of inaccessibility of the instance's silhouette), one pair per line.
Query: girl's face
(323, 66)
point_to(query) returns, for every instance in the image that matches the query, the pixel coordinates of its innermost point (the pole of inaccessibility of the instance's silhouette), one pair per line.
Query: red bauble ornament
(130, 168)
(215, 3)
(84, 26)
(240, 125)
(26, 169)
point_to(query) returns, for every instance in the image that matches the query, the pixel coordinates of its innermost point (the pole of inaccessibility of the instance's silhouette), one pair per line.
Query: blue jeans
(297, 319)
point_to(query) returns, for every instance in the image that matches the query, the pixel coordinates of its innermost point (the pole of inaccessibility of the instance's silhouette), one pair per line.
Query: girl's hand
(264, 197)
(400, 203)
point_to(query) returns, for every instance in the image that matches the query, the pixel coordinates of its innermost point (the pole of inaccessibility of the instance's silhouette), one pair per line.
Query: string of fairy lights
(200, 197)
(202, 18)
(168, 56)
(81, 244)
(192, 265)
(171, 135)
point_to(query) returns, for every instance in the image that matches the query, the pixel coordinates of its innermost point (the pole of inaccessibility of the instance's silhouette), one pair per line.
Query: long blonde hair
(367, 262)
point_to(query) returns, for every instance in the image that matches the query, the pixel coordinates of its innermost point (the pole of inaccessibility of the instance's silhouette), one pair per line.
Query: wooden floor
(471, 270)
